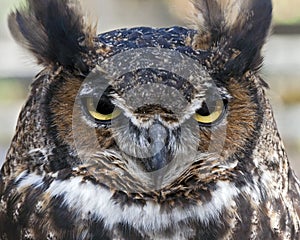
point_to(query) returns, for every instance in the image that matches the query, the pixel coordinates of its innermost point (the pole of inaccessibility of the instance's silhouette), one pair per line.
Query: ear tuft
(54, 31)
(242, 25)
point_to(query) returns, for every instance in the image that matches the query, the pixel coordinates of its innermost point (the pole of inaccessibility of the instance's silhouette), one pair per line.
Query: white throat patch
(87, 199)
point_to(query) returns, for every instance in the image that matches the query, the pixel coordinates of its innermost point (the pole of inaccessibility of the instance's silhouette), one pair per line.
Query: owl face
(163, 131)
(152, 119)
(149, 112)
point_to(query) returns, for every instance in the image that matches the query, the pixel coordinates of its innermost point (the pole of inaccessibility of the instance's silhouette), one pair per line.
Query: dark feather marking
(128, 232)
(61, 215)
(98, 231)
(53, 32)
(250, 38)
(8, 227)
(243, 226)
(247, 34)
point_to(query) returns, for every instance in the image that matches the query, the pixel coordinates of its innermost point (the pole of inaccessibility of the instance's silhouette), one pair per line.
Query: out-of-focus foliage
(287, 11)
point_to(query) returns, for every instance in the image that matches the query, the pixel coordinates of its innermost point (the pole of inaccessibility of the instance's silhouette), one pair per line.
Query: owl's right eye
(102, 110)
(211, 113)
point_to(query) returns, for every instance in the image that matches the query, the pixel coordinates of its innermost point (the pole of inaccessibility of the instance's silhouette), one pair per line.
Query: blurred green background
(281, 69)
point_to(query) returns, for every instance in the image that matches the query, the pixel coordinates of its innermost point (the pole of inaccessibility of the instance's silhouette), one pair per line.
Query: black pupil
(104, 106)
(203, 111)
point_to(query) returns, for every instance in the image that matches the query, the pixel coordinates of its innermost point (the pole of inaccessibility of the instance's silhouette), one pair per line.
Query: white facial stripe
(85, 198)
(30, 180)
(21, 176)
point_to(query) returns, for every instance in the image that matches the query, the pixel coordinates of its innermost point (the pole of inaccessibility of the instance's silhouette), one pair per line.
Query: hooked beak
(160, 155)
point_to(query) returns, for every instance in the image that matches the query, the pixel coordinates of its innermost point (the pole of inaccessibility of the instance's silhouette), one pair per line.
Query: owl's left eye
(102, 110)
(211, 112)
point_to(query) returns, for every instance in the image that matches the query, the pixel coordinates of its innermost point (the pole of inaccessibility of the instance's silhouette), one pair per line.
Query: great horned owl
(147, 133)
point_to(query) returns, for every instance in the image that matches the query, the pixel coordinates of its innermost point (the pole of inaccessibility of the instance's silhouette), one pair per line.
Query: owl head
(147, 115)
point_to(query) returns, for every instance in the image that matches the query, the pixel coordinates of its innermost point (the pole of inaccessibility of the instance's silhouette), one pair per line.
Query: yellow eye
(102, 110)
(210, 113)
